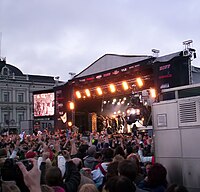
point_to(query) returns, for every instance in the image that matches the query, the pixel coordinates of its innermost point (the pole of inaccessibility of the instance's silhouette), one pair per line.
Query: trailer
(176, 130)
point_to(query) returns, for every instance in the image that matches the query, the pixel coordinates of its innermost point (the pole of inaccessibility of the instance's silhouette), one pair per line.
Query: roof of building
(16, 74)
(12, 68)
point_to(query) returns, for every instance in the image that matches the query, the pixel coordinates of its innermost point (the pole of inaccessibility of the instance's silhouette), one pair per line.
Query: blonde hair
(118, 158)
(88, 188)
(9, 186)
(46, 188)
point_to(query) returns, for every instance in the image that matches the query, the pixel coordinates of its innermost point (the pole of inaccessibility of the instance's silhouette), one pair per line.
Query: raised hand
(32, 177)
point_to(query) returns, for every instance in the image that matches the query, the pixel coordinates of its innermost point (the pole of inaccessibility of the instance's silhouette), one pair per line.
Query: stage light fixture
(112, 88)
(139, 82)
(124, 98)
(114, 100)
(104, 102)
(71, 105)
(119, 112)
(87, 92)
(78, 94)
(137, 111)
(69, 123)
(99, 91)
(125, 85)
(118, 103)
(153, 93)
(132, 111)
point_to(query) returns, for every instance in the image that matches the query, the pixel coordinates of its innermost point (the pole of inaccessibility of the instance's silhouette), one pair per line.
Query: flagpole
(0, 43)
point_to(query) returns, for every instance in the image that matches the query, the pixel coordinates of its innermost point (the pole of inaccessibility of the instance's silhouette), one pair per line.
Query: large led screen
(43, 104)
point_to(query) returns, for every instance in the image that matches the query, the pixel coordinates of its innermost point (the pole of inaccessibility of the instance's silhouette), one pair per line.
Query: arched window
(5, 71)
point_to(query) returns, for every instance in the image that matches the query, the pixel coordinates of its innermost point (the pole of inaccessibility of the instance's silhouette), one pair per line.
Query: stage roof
(109, 62)
(113, 61)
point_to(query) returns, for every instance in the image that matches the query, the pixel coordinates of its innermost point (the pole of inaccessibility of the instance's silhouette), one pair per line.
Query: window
(5, 71)
(21, 97)
(5, 117)
(20, 117)
(6, 96)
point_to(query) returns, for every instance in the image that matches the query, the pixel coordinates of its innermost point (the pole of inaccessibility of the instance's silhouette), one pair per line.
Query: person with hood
(89, 160)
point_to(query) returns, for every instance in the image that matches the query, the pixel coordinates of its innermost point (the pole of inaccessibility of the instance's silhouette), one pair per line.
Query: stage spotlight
(78, 94)
(114, 100)
(128, 111)
(137, 111)
(153, 93)
(139, 82)
(125, 85)
(69, 123)
(99, 91)
(104, 102)
(112, 88)
(124, 98)
(71, 105)
(132, 111)
(87, 92)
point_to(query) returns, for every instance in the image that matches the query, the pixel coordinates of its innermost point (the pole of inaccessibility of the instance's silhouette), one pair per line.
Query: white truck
(176, 130)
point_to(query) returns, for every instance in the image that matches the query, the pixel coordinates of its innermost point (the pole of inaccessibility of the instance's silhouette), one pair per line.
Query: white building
(16, 102)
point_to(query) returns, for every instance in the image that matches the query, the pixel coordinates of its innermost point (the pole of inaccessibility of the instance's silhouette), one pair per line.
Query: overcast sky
(55, 37)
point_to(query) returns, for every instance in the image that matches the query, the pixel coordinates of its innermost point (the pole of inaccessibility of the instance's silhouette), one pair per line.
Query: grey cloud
(59, 36)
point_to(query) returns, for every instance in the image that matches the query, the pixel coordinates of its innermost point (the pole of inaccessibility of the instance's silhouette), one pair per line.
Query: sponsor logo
(98, 76)
(124, 69)
(90, 78)
(164, 86)
(165, 76)
(115, 72)
(81, 80)
(164, 67)
(106, 74)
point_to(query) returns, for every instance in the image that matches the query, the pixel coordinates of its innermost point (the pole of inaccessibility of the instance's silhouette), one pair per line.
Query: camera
(11, 172)
(28, 164)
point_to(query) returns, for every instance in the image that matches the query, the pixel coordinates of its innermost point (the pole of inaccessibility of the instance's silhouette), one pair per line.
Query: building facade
(16, 95)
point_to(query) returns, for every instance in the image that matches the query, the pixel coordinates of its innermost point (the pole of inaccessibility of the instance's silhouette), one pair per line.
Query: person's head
(98, 156)
(88, 188)
(119, 151)
(134, 157)
(129, 150)
(128, 169)
(176, 188)
(112, 169)
(78, 163)
(9, 186)
(118, 158)
(46, 188)
(53, 176)
(91, 150)
(119, 184)
(157, 175)
(108, 154)
(148, 165)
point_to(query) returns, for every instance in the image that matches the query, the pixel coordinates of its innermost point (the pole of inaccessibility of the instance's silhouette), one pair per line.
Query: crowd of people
(59, 162)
